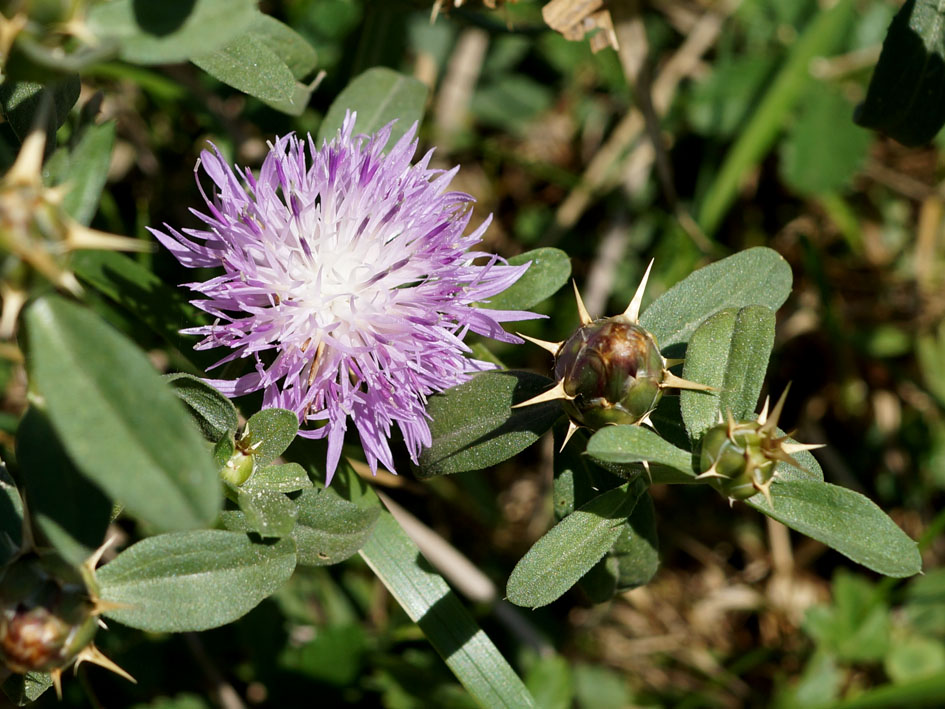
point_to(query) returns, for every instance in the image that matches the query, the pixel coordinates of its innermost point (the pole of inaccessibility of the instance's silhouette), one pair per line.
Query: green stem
(430, 603)
(820, 37)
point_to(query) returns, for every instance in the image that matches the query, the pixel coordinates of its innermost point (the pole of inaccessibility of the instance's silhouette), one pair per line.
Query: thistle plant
(345, 323)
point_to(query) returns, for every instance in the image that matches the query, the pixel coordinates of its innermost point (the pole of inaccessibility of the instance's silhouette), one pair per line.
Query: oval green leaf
(269, 514)
(757, 276)
(70, 512)
(570, 549)
(269, 432)
(143, 294)
(824, 149)
(843, 520)
(635, 444)
(84, 169)
(188, 581)
(730, 352)
(289, 477)
(249, 64)
(171, 30)
(293, 49)
(636, 550)
(21, 100)
(379, 96)
(25, 689)
(329, 528)
(474, 425)
(214, 414)
(549, 270)
(119, 422)
(906, 96)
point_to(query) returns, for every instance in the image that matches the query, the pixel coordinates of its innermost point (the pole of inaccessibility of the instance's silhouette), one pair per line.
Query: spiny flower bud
(37, 232)
(49, 614)
(610, 371)
(739, 458)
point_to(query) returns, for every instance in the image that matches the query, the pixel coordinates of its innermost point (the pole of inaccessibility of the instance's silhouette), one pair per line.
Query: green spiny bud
(47, 614)
(738, 458)
(735, 459)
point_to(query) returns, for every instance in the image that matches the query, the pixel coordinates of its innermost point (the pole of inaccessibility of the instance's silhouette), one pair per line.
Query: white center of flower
(345, 281)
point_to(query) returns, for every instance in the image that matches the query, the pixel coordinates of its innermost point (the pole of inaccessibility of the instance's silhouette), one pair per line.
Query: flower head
(348, 282)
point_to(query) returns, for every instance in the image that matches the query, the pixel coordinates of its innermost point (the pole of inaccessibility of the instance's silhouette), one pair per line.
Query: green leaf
(84, 169)
(269, 514)
(635, 444)
(600, 688)
(330, 528)
(757, 276)
(824, 148)
(145, 296)
(925, 692)
(568, 551)
(172, 30)
(856, 626)
(214, 414)
(914, 657)
(636, 550)
(25, 689)
(549, 270)
(843, 520)
(474, 425)
(379, 95)
(250, 64)
(906, 96)
(69, 510)
(119, 422)
(430, 603)
(576, 479)
(730, 352)
(810, 468)
(196, 580)
(20, 101)
(293, 49)
(269, 432)
(11, 516)
(925, 602)
(289, 477)
(550, 682)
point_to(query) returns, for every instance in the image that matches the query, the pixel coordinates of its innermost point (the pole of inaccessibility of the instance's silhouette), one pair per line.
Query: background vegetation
(716, 127)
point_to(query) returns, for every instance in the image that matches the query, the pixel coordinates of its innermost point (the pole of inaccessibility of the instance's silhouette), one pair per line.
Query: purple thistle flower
(348, 281)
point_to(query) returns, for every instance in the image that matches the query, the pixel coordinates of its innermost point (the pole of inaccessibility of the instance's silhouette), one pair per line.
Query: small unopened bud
(735, 461)
(739, 458)
(238, 468)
